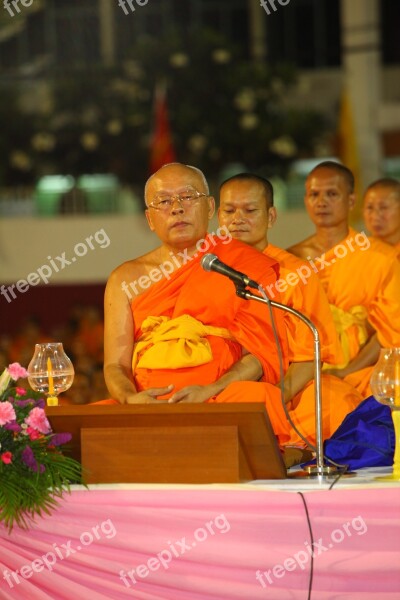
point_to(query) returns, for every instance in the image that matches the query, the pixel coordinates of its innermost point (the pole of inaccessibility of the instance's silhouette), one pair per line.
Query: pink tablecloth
(208, 544)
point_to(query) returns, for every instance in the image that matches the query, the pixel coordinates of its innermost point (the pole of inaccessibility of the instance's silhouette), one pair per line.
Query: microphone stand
(320, 469)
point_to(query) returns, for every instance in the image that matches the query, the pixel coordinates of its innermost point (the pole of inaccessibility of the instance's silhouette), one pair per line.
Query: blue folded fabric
(365, 438)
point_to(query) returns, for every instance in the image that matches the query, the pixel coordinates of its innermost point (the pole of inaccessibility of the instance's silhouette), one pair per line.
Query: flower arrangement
(34, 473)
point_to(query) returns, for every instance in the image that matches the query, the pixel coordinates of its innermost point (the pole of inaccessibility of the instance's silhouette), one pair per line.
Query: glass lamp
(50, 371)
(385, 386)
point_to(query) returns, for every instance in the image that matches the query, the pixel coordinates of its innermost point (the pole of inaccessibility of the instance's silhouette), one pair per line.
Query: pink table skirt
(208, 544)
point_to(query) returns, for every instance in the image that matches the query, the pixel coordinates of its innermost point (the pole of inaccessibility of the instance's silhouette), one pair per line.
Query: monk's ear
(211, 207)
(272, 216)
(149, 220)
(352, 201)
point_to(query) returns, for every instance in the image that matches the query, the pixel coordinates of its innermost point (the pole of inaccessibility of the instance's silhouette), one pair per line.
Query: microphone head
(207, 261)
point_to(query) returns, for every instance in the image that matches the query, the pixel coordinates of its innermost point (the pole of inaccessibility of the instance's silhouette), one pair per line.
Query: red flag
(161, 149)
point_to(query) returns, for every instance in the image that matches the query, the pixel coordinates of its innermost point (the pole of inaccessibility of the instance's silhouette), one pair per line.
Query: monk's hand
(150, 396)
(192, 394)
(341, 373)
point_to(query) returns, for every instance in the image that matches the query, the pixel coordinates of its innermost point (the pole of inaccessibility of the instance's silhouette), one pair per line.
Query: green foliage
(34, 474)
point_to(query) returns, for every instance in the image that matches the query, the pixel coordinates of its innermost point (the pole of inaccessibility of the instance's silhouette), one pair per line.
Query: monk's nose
(237, 217)
(177, 206)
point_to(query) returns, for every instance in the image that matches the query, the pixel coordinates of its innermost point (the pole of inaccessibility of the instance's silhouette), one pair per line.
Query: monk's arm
(247, 368)
(296, 378)
(367, 357)
(118, 346)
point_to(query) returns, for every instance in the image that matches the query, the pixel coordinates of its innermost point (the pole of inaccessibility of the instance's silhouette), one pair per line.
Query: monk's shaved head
(387, 183)
(337, 168)
(265, 184)
(194, 175)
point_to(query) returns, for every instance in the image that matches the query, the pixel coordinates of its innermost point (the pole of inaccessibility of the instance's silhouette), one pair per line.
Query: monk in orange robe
(247, 211)
(381, 211)
(176, 333)
(360, 275)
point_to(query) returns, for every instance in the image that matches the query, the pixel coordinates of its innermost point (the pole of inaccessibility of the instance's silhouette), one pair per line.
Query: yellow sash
(357, 315)
(174, 343)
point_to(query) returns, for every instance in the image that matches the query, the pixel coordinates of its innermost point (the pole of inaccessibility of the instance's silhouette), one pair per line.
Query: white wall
(30, 244)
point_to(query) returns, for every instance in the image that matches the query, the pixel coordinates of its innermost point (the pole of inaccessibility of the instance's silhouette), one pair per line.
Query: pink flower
(33, 433)
(6, 457)
(38, 420)
(20, 391)
(7, 413)
(16, 371)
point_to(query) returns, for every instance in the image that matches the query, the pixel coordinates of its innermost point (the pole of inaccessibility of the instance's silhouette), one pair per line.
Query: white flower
(249, 121)
(245, 99)
(20, 160)
(114, 127)
(284, 146)
(43, 142)
(197, 143)
(89, 141)
(221, 56)
(179, 60)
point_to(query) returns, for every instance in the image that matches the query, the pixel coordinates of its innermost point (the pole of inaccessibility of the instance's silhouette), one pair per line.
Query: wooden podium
(171, 443)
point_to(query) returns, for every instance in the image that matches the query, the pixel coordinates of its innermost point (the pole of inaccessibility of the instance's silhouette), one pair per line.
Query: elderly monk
(178, 333)
(361, 276)
(247, 211)
(381, 211)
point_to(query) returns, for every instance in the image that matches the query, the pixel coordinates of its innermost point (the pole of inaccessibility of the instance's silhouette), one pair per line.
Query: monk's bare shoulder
(137, 267)
(305, 249)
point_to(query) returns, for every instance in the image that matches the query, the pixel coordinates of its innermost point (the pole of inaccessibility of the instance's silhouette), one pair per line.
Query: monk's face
(381, 212)
(244, 211)
(179, 226)
(328, 198)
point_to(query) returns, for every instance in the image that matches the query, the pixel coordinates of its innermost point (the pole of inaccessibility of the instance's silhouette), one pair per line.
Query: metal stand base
(325, 472)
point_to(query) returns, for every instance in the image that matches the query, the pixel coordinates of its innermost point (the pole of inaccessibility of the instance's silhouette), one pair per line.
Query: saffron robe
(362, 284)
(210, 299)
(308, 297)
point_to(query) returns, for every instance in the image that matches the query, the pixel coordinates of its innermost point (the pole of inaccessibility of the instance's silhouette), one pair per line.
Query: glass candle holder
(50, 371)
(385, 386)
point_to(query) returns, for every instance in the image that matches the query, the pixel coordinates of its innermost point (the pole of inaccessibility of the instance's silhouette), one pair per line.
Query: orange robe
(210, 299)
(307, 296)
(362, 282)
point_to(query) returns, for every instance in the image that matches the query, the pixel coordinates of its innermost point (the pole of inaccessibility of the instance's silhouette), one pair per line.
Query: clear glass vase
(50, 371)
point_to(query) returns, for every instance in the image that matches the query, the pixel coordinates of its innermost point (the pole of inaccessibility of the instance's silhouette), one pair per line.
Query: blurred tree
(222, 109)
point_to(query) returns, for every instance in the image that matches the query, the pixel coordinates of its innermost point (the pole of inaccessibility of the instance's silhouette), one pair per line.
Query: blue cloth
(365, 438)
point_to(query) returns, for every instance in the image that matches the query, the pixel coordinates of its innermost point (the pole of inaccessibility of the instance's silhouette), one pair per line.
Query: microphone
(210, 262)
